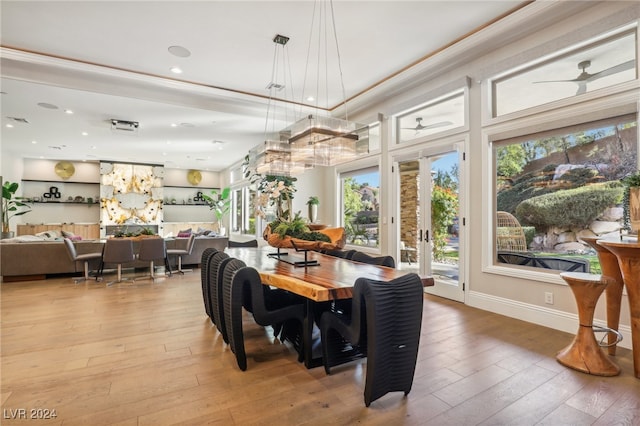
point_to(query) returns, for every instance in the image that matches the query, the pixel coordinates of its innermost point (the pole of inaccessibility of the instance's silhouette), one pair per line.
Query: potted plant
(11, 206)
(312, 204)
(631, 201)
(220, 203)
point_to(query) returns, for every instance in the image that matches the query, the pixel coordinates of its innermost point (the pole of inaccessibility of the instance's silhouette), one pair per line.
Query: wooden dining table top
(332, 278)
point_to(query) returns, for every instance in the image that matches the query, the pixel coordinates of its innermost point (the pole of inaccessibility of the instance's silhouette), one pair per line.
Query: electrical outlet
(548, 298)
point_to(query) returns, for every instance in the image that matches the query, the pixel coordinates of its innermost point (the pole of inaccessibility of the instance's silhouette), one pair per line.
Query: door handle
(420, 237)
(426, 235)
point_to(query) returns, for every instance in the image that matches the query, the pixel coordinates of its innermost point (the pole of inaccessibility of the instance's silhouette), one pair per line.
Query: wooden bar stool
(584, 353)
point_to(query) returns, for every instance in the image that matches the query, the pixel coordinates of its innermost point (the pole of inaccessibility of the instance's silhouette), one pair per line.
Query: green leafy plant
(313, 201)
(11, 205)
(219, 202)
(296, 228)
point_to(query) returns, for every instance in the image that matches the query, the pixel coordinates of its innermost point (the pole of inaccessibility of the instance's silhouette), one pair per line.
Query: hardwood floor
(145, 354)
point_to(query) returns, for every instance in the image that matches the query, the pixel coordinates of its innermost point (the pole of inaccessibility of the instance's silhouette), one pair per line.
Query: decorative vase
(5, 235)
(634, 208)
(313, 213)
(222, 230)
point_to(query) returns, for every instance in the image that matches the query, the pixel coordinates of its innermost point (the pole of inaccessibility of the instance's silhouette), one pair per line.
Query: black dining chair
(249, 243)
(344, 254)
(273, 307)
(384, 324)
(214, 291)
(204, 277)
(359, 256)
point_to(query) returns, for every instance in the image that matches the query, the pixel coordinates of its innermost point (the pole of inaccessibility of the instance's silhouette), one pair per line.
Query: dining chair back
(183, 252)
(272, 307)
(204, 277)
(150, 250)
(214, 291)
(385, 321)
(344, 254)
(249, 243)
(118, 251)
(85, 258)
(359, 256)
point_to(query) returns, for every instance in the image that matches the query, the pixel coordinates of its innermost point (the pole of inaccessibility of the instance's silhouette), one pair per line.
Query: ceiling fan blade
(558, 81)
(431, 126)
(613, 70)
(582, 88)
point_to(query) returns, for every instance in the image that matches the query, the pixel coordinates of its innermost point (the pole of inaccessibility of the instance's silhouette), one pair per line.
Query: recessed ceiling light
(47, 105)
(34, 142)
(310, 98)
(174, 125)
(179, 51)
(176, 70)
(85, 134)
(68, 111)
(9, 125)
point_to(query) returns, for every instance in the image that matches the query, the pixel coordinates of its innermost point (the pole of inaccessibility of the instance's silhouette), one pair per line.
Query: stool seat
(584, 353)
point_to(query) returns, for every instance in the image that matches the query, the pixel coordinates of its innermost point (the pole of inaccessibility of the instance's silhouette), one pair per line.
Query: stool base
(585, 355)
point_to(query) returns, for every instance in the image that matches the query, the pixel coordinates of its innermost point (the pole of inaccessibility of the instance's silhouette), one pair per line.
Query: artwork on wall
(130, 194)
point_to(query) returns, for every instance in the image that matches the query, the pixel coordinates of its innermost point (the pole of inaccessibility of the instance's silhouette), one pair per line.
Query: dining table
(315, 276)
(628, 253)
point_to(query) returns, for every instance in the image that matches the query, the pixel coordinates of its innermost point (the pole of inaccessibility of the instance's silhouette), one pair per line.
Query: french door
(429, 225)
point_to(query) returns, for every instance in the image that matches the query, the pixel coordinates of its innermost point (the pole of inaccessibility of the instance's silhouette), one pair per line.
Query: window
(440, 115)
(599, 64)
(360, 206)
(553, 187)
(243, 217)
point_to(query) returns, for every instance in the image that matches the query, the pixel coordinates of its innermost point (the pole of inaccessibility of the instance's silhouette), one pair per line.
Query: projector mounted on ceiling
(127, 126)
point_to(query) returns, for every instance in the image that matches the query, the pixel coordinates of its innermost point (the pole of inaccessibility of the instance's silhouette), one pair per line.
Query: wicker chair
(384, 324)
(273, 307)
(204, 277)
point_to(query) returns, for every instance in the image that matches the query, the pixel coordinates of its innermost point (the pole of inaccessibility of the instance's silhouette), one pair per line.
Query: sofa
(37, 259)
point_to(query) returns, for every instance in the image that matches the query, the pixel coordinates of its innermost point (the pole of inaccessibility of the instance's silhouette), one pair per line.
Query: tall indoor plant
(11, 206)
(313, 203)
(219, 202)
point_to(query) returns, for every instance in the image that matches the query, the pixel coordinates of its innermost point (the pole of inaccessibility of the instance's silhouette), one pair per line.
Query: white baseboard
(557, 320)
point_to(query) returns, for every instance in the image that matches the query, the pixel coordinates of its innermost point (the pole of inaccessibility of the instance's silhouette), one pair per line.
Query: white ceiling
(109, 60)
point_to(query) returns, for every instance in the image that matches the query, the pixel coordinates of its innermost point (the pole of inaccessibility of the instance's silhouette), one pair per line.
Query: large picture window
(553, 188)
(361, 206)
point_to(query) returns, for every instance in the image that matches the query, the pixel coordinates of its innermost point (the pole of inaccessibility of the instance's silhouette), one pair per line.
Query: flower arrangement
(630, 209)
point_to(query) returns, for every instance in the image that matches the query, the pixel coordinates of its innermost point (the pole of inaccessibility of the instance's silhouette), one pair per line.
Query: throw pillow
(185, 233)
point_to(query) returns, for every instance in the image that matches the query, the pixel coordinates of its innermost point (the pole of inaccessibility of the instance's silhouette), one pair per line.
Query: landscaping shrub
(569, 208)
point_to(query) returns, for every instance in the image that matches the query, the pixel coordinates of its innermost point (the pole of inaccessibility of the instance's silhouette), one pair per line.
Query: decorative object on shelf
(11, 206)
(631, 201)
(313, 202)
(199, 198)
(54, 192)
(64, 169)
(194, 177)
(219, 202)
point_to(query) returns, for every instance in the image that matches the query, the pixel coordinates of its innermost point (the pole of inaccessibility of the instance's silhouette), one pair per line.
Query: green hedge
(569, 208)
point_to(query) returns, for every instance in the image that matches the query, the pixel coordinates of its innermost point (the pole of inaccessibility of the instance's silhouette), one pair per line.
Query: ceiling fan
(584, 77)
(419, 125)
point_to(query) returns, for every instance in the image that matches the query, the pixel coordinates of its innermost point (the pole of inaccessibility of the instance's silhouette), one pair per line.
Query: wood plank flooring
(145, 354)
